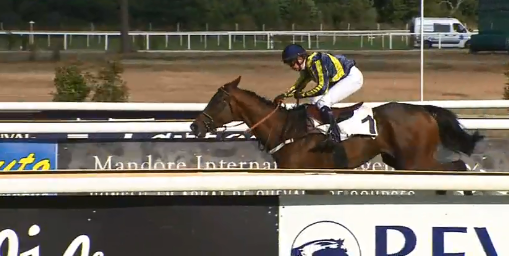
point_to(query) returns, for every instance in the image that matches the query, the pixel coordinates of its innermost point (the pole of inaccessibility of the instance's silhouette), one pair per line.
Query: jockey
(336, 76)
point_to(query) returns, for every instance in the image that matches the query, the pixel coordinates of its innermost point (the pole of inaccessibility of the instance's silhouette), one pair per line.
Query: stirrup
(331, 133)
(330, 136)
(334, 137)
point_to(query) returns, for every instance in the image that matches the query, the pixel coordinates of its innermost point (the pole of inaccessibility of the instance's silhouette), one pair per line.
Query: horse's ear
(233, 84)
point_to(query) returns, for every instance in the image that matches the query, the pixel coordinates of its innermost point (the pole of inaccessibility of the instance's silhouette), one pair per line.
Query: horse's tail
(451, 133)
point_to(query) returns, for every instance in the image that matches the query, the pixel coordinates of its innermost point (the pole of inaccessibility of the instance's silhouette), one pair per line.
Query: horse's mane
(260, 98)
(296, 115)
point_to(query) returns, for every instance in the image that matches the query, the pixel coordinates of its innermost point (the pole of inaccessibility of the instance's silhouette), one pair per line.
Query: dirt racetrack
(194, 77)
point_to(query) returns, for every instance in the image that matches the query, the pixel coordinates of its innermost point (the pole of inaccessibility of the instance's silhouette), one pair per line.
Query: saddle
(340, 114)
(352, 120)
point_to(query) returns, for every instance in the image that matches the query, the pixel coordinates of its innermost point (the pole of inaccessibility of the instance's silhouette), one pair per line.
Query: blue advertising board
(19, 156)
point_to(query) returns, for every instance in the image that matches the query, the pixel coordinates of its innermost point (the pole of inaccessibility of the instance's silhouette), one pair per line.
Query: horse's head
(218, 112)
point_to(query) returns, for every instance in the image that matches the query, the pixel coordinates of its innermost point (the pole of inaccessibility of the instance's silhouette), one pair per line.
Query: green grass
(213, 42)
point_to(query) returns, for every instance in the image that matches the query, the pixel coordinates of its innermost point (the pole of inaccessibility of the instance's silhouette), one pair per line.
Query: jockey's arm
(321, 69)
(301, 82)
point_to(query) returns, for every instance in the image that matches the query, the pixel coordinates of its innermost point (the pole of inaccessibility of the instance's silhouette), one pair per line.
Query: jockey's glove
(280, 98)
(299, 95)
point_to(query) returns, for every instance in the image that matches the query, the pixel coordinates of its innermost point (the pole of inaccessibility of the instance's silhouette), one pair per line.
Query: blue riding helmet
(291, 52)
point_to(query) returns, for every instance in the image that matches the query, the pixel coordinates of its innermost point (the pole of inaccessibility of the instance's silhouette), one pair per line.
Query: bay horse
(406, 136)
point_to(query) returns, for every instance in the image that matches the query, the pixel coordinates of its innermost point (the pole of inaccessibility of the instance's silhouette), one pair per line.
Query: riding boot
(328, 118)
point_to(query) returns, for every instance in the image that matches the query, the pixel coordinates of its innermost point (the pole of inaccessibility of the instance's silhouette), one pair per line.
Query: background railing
(219, 40)
(192, 109)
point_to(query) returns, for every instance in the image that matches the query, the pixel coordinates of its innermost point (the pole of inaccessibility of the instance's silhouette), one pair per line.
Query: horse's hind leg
(457, 165)
(429, 164)
(390, 161)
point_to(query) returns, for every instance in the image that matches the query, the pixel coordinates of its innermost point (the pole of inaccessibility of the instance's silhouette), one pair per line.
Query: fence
(156, 127)
(215, 40)
(183, 107)
(225, 179)
(144, 124)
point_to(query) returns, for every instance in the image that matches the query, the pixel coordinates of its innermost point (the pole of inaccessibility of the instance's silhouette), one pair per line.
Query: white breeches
(341, 90)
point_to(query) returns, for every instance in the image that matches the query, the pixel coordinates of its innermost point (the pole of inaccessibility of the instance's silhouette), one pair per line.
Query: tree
(360, 12)
(453, 5)
(506, 88)
(299, 12)
(223, 14)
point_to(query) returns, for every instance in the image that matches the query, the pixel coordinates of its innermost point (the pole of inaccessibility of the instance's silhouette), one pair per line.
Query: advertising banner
(160, 155)
(169, 152)
(120, 226)
(177, 155)
(19, 156)
(491, 154)
(393, 229)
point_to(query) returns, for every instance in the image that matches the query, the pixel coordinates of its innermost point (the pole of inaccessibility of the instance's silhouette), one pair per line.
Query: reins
(263, 119)
(268, 116)
(248, 131)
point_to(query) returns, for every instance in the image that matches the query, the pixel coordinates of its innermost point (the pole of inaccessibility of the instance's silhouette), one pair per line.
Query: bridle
(210, 125)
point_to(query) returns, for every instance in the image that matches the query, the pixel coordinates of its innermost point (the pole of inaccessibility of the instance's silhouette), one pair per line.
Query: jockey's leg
(324, 104)
(347, 86)
(344, 88)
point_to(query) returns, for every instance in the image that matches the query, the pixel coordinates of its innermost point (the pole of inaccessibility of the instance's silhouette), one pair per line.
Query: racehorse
(406, 136)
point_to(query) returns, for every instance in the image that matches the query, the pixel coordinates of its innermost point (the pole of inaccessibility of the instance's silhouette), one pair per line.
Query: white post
(205, 41)
(31, 37)
(205, 36)
(422, 50)
(293, 36)
(236, 29)
(317, 37)
(229, 41)
(178, 30)
(406, 37)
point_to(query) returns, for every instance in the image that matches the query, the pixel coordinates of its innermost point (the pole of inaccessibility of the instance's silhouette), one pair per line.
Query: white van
(450, 33)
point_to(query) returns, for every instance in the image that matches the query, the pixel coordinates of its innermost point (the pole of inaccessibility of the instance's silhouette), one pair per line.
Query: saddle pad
(361, 123)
